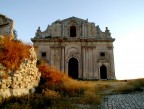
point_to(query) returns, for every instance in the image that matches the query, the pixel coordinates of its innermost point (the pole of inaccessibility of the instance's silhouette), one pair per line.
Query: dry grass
(72, 93)
(90, 97)
(130, 86)
(51, 94)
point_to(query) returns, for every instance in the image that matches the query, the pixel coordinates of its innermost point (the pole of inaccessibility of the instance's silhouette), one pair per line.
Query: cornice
(72, 40)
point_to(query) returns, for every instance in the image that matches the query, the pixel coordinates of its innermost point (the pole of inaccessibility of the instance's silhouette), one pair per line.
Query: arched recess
(72, 31)
(103, 72)
(73, 68)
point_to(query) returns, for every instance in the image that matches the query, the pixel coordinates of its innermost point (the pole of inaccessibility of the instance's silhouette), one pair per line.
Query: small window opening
(43, 54)
(73, 31)
(102, 54)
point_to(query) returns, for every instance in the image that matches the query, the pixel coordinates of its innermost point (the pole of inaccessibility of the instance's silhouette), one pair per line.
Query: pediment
(73, 20)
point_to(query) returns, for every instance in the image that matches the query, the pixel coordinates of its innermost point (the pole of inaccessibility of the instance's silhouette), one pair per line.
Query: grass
(130, 86)
(72, 94)
(34, 101)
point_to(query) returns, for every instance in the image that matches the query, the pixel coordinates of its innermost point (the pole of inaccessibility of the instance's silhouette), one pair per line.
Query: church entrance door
(103, 72)
(73, 68)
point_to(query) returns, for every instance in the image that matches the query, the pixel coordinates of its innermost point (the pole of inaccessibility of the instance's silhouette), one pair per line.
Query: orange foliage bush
(50, 77)
(12, 52)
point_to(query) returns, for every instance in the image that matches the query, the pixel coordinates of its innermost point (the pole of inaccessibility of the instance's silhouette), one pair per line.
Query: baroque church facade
(77, 47)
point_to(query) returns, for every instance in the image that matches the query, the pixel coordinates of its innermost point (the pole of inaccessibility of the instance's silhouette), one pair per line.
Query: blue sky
(124, 18)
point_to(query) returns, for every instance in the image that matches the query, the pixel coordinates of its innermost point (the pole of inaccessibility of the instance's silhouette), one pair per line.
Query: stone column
(83, 64)
(87, 62)
(62, 59)
(111, 70)
(90, 63)
(93, 64)
(83, 29)
(112, 66)
(51, 56)
(63, 30)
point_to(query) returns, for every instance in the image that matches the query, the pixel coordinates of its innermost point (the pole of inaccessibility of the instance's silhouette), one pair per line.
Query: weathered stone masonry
(23, 81)
(77, 47)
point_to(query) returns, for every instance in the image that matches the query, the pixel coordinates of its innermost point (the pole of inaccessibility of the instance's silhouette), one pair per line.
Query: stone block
(5, 93)
(3, 86)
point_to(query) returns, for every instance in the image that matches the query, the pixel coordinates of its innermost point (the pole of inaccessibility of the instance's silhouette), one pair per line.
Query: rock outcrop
(6, 25)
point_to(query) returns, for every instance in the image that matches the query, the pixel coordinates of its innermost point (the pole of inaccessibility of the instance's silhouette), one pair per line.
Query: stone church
(77, 47)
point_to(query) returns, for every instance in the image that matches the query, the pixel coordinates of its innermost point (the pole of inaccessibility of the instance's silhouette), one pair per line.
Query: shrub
(12, 52)
(50, 77)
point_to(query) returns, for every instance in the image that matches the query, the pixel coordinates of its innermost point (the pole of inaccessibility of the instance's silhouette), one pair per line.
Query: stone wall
(23, 81)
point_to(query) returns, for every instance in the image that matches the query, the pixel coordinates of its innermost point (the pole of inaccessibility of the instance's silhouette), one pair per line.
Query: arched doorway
(73, 31)
(103, 72)
(73, 68)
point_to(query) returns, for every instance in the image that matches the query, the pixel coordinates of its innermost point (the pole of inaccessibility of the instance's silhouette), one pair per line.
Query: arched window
(73, 31)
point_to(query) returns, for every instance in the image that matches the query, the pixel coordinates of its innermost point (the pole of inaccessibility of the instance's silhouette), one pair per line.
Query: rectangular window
(43, 54)
(102, 54)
